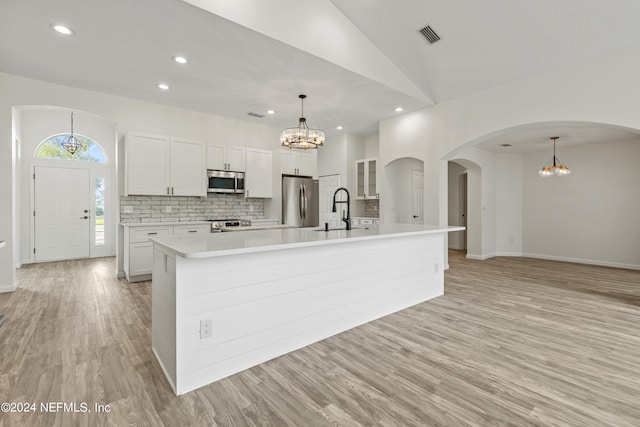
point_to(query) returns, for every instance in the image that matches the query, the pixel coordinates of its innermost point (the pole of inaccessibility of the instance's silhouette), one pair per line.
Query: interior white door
(417, 196)
(62, 213)
(327, 185)
(462, 220)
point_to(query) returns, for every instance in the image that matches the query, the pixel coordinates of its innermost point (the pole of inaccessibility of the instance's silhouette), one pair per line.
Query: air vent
(256, 115)
(429, 34)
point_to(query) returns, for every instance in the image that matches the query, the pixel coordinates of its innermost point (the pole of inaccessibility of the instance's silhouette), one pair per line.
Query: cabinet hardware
(167, 190)
(84, 217)
(193, 231)
(149, 234)
(171, 190)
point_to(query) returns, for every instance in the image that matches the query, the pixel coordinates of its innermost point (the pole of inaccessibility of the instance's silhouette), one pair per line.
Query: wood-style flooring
(514, 341)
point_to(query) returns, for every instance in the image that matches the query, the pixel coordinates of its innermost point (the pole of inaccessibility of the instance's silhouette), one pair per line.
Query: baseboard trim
(480, 257)
(509, 254)
(8, 288)
(583, 261)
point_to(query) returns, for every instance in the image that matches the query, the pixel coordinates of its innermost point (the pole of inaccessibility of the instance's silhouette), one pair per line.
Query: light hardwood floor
(514, 341)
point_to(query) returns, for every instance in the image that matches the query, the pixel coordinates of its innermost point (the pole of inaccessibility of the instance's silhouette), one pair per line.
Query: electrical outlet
(206, 328)
(511, 240)
(436, 267)
(128, 209)
(250, 208)
(167, 209)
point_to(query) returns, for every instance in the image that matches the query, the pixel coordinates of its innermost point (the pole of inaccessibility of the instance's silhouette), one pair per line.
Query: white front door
(417, 196)
(327, 186)
(62, 213)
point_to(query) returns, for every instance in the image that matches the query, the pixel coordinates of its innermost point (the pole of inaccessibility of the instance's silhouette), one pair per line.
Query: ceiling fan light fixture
(302, 137)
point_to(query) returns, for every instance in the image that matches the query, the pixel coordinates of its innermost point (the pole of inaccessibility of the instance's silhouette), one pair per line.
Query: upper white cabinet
(367, 179)
(188, 168)
(147, 164)
(259, 174)
(226, 157)
(299, 162)
(158, 165)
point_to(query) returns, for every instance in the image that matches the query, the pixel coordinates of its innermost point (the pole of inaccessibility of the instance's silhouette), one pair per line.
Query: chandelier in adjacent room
(554, 166)
(71, 143)
(302, 137)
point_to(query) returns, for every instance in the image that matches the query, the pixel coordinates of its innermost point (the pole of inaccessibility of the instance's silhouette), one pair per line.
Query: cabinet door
(288, 161)
(188, 168)
(307, 163)
(140, 258)
(235, 157)
(215, 157)
(361, 176)
(371, 179)
(259, 174)
(147, 165)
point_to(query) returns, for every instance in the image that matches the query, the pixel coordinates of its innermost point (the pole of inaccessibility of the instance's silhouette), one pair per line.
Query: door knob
(84, 217)
(86, 211)
(415, 216)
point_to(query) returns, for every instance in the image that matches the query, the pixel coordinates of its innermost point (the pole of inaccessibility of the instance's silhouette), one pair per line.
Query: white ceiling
(537, 137)
(124, 47)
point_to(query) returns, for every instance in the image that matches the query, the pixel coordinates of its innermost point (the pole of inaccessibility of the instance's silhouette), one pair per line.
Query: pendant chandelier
(554, 166)
(302, 137)
(71, 143)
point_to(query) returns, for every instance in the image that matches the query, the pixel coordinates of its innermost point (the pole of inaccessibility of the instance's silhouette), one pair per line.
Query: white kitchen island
(266, 293)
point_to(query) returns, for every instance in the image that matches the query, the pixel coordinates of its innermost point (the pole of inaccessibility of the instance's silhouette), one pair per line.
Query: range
(218, 225)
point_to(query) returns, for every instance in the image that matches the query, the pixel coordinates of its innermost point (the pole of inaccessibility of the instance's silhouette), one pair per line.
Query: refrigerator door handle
(300, 201)
(304, 208)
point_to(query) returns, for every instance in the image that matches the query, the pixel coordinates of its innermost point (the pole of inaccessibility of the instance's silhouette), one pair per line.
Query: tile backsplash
(372, 208)
(214, 206)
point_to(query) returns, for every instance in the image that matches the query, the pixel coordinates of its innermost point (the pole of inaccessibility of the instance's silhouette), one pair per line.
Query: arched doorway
(405, 182)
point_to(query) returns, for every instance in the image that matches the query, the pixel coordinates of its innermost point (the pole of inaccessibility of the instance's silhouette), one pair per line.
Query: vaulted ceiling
(355, 59)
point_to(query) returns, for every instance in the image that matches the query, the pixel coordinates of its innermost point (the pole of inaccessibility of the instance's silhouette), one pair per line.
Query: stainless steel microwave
(225, 181)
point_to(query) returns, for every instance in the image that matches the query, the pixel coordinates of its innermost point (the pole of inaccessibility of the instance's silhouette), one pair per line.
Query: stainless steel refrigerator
(300, 206)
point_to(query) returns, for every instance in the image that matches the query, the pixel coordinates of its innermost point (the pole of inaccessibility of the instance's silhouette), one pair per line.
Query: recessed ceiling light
(180, 59)
(270, 112)
(339, 127)
(62, 29)
(398, 109)
(163, 86)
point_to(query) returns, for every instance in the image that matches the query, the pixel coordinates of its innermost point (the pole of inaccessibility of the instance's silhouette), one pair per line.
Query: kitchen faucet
(346, 219)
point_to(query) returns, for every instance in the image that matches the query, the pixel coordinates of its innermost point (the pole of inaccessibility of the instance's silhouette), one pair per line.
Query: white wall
(509, 204)
(399, 200)
(372, 145)
(456, 239)
(600, 90)
(129, 115)
(591, 215)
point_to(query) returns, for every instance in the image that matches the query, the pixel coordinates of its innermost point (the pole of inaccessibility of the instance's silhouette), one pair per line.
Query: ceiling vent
(256, 115)
(429, 34)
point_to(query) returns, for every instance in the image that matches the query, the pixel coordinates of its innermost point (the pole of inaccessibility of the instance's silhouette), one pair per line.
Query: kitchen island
(226, 302)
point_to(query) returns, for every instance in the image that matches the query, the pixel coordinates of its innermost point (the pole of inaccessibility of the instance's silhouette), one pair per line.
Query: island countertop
(221, 244)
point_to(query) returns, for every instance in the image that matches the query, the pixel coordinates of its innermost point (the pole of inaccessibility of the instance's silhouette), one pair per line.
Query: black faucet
(347, 220)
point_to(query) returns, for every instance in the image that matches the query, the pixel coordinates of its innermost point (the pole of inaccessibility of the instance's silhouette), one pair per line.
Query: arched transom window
(51, 148)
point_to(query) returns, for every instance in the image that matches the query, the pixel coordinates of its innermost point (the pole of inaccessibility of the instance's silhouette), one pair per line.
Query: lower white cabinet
(138, 249)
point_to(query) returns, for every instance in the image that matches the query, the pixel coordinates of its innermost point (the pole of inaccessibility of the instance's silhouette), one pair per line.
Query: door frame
(95, 170)
(411, 213)
(462, 207)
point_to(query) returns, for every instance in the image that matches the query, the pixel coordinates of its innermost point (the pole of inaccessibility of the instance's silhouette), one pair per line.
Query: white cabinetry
(299, 162)
(158, 165)
(367, 179)
(259, 173)
(226, 157)
(138, 249)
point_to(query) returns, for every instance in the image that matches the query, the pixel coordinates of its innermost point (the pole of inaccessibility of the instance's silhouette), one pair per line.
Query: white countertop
(220, 244)
(155, 224)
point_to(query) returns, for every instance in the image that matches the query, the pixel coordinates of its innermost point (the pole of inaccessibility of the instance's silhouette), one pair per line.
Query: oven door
(221, 182)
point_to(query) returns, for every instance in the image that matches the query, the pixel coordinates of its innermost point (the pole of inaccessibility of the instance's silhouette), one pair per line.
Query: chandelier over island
(554, 166)
(302, 137)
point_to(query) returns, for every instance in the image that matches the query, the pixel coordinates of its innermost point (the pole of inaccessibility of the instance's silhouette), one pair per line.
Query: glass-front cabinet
(366, 179)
